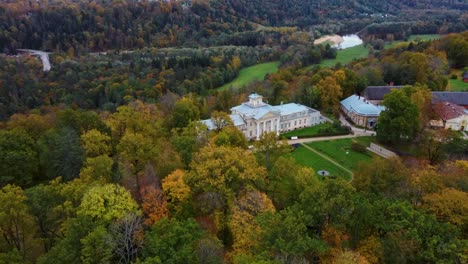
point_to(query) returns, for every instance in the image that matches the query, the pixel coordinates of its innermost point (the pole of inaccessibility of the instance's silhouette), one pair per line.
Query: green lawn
(458, 85)
(340, 150)
(252, 73)
(345, 56)
(307, 158)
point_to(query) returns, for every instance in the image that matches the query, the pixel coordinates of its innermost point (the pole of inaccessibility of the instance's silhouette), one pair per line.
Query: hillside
(78, 26)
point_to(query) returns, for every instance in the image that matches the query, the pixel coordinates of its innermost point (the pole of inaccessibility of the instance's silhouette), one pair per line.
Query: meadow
(250, 74)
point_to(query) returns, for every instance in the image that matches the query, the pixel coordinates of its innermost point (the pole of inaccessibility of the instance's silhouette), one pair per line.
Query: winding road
(43, 55)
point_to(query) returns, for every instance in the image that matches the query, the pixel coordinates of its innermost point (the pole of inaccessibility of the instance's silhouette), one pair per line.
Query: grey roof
(236, 120)
(361, 106)
(256, 112)
(287, 109)
(459, 98)
(378, 92)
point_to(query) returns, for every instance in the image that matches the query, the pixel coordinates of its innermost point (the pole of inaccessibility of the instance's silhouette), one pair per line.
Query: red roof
(447, 111)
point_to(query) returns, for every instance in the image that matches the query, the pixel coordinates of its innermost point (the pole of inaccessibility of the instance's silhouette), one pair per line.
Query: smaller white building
(453, 116)
(255, 117)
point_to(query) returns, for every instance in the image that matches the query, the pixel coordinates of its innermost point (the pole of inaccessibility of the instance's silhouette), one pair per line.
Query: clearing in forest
(250, 74)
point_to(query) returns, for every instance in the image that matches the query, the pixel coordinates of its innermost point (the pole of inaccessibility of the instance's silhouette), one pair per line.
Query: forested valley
(103, 158)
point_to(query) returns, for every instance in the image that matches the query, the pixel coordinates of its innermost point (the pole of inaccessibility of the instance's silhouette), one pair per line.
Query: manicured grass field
(345, 56)
(307, 158)
(340, 150)
(336, 150)
(252, 73)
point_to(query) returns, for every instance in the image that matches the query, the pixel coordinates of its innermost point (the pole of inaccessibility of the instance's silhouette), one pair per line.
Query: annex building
(255, 117)
(453, 116)
(361, 111)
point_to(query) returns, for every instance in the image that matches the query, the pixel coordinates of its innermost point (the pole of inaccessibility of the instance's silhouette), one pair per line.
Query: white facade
(459, 123)
(256, 117)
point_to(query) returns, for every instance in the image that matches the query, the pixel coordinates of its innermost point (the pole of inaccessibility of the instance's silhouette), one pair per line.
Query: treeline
(147, 185)
(105, 81)
(86, 26)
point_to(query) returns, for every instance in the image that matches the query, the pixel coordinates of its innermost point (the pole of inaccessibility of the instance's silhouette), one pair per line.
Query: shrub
(358, 147)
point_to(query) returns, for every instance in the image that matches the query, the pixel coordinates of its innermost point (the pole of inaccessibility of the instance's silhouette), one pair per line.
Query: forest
(80, 27)
(146, 183)
(103, 158)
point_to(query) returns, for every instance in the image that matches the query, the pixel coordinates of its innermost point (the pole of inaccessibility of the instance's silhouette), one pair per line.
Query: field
(339, 151)
(252, 73)
(345, 56)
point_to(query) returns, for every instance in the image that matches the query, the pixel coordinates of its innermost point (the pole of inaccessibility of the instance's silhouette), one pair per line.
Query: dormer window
(255, 100)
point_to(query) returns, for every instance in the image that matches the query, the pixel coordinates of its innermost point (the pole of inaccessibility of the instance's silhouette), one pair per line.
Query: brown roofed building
(375, 94)
(453, 116)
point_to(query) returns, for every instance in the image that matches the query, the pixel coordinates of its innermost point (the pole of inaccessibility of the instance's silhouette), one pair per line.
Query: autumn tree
(61, 153)
(185, 111)
(385, 177)
(330, 94)
(18, 158)
(268, 149)
(176, 190)
(224, 170)
(245, 231)
(399, 120)
(16, 222)
(172, 241)
(220, 120)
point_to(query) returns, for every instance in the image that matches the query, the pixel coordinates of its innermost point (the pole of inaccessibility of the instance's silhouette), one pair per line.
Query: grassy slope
(252, 73)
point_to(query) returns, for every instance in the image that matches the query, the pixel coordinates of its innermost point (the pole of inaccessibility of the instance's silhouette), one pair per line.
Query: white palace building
(256, 117)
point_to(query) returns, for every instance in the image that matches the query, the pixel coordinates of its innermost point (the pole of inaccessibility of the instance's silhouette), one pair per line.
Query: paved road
(44, 58)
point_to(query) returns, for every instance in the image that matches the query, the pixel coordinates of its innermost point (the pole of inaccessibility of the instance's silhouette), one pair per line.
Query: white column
(271, 126)
(264, 127)
(278, 127)
(258, 131)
